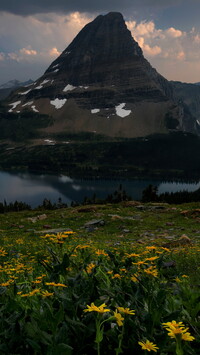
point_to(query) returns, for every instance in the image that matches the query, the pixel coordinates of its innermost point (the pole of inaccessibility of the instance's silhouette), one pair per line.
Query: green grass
(123, 263)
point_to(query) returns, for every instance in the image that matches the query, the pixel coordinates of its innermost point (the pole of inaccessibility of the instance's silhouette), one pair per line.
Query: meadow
(101, 279)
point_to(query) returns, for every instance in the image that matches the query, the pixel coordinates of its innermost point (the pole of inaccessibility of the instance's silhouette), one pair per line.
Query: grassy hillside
(101, 279)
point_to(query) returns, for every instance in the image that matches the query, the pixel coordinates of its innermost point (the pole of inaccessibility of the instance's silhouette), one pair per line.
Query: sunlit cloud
(22, 54)
(28, 51)
(53, 52)
(181, 55)
(152, 51)
(172, 32)
(34, 41)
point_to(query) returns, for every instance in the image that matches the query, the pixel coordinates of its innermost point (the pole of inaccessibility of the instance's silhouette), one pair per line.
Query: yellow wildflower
(4, 284)
(19, 241)
(100, 252)
(32, 293)
(151, 271)
(134, 278)
(152, 247)
(140, 262)
(55, 284)
(126, 310)
(92, 308)
(2, 252)
(123, 269)
(116, 276)
(119, 318)
(178, 329)
(132, 255)
(148, 345)
(177, 279)
(152, 258)
(90, 267)
(187, 337)
(47, 294)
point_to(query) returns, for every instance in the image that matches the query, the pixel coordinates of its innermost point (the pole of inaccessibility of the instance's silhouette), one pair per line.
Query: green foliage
(22, 126)
(169, 156)
(47, 280)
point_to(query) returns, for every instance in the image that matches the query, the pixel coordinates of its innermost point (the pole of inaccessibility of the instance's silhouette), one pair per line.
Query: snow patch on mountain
(34, 109)
(45, 81)
(95, 110)
(121, 112)
(14, 105)
(69, 88)
(38, 87)
(25, 92)
(58, 103)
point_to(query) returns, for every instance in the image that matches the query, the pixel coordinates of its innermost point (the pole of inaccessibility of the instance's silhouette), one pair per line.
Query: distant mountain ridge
(8, 87)
(102, 83)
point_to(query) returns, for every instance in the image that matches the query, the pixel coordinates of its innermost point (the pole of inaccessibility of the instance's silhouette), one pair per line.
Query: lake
(33, 188)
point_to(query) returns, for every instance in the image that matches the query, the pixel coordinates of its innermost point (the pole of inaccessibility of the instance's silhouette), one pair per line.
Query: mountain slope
(189, 96)
(102, 83)
(7, 88)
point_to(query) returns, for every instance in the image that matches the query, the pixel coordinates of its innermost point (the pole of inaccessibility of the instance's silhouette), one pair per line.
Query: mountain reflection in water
(33, 188)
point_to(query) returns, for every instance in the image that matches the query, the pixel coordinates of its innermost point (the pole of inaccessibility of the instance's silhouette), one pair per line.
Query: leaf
(33, 344)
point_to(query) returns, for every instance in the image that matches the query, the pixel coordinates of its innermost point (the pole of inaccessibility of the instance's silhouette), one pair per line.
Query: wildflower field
(107, 279)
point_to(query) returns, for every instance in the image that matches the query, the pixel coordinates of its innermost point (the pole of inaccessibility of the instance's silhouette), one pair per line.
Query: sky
(34, 32)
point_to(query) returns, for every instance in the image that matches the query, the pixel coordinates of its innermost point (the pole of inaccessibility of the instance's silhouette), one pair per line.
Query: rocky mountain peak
(102, 83)
(98, 52)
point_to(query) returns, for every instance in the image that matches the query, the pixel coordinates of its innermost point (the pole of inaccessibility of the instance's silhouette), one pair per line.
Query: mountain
(188, 95)
(7, 88)
(102, 83)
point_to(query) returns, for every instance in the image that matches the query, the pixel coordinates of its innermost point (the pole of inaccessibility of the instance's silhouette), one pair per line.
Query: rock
(37, 218)
(168, 264)
(95, 223)
(41, 217)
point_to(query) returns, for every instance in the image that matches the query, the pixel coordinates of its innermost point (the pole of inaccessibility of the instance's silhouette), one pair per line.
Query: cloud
(181, 55)
(54, 52)
(22, 54)
(173, 52)
(165, 43)
(29, 44)
(152, 51)
(172, 32)
(27, 51)
(2, 56)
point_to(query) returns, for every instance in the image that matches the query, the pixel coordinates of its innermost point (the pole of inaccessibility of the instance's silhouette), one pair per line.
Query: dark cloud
(29, 7)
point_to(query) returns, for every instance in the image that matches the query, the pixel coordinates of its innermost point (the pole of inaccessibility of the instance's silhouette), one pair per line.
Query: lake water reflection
(33, 188)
